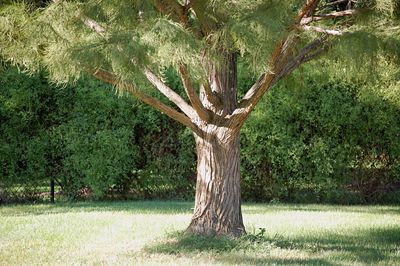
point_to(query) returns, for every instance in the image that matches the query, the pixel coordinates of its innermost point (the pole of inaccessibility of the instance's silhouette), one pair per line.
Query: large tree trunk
(218, 204)
(218, 200)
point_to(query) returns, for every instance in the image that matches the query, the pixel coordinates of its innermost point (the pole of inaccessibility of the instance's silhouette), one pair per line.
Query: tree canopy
(68, 37)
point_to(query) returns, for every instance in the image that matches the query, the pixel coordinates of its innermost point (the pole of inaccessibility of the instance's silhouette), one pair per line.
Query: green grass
(148, 233)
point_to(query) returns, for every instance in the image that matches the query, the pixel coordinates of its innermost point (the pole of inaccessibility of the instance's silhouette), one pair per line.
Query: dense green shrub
(90, 140)
(329, 141)
(29, 111)
(311, 142)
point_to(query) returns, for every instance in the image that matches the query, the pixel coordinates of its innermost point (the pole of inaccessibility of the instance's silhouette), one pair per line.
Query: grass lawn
(148, 233)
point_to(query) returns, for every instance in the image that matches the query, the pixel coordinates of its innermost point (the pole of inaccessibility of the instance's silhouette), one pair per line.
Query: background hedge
(333, 141)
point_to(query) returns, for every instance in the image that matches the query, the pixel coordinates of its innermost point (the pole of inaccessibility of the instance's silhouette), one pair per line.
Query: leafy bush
(315, 142)
(90, 140)
(29, 111)
(330, 141)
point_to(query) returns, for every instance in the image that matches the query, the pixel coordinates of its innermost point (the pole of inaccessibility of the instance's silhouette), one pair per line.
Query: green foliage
(322, 140)
(311, 142)
(29, 111)
(134, 34)
(81, 136)
(96, 139)
(251, 28)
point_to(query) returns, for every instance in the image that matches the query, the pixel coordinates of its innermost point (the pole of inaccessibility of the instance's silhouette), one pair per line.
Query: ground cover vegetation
(129, 44)
(125, 233)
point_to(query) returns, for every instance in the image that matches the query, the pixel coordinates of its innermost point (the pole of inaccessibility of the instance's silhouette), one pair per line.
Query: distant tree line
(334, 142)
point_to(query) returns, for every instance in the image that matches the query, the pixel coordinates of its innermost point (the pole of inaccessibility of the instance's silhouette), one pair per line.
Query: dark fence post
(52, 190)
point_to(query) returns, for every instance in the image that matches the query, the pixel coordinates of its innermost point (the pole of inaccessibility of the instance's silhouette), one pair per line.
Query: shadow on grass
(229, 250)
(366, 247)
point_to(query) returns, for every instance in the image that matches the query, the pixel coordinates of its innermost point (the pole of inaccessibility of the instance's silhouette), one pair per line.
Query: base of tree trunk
(204, 227)
(218, 201)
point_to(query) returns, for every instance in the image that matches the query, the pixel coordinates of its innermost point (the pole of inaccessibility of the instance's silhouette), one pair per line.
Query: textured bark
(217, 206)
(219, 95)
(218, 200)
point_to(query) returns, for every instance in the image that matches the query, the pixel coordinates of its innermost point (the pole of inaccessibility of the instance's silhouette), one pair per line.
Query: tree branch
(191, 93)
(337, 2)
(308, 52)
(158, 83)
(206, 22)
(173, 9)
(279, 58)
(337, 14)
(170, 94)
(94, 25)
(111, 78)
(307, 10)
(322, 30)
(178, 13)
(209, 94)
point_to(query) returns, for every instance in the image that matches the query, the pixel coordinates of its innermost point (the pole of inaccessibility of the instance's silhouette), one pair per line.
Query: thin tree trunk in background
(52, 190)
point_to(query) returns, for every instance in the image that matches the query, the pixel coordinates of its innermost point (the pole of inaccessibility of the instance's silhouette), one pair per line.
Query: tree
(128, 43)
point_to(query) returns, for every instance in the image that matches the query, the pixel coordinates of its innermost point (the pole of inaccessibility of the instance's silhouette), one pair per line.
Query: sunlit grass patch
(151, 233)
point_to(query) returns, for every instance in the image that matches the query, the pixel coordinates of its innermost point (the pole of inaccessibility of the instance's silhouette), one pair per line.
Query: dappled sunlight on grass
(150, 233)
